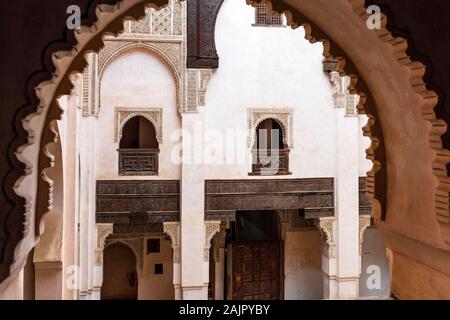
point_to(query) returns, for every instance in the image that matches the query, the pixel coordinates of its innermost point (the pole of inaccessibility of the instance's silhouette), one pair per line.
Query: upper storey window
(270, 153)
(139, 148)
(264, 18)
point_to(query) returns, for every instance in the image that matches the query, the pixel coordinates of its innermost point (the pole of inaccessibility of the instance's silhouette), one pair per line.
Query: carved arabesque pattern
(136, 244)
(326, 228)
(283, 116)
(103, 231)
(63, 61)
(124, 114)
(211, 228)
(173, 230)
(364, 223)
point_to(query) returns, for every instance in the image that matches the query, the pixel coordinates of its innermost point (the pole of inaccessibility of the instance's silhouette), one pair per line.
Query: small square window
(153, 246)
(159, 268)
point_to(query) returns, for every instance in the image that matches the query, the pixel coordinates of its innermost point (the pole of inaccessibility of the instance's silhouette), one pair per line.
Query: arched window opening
(270, 153)
(264, 18)
(138, 148)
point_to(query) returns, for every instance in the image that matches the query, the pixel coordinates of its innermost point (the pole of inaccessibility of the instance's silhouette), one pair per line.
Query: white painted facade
(271, 68)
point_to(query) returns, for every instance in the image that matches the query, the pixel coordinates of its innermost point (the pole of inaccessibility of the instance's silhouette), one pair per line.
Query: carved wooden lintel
(202, 53)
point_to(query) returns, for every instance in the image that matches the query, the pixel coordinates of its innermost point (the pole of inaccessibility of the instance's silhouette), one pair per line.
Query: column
(103, 230)
(211, 228)
(192, 208)
(342, 267)
(219, 258)
(173, 229)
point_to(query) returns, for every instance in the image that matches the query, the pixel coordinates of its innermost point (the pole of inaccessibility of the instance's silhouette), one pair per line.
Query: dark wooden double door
(256, 271)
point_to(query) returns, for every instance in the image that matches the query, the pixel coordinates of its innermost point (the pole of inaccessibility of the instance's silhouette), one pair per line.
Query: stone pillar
(192, 208)
(103, 230)
(211, 228)
(173, 229)
(219, 258)
(343, 275)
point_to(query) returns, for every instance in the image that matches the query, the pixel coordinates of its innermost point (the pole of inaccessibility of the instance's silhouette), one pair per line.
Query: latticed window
(263, 17)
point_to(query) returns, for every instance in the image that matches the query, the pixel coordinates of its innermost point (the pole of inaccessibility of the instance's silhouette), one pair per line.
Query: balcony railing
(270, 162)
(138, 162)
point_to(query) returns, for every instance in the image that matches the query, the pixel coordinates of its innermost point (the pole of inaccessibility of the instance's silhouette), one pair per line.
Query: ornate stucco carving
(283, 116)
(170, 50)
(326, 228)
(205, 76)
(89, 86)
(342, 96)
(103, 231)
(173, 230)
(63, 60)
(211, 228)
(364, 223)
(123, 114)
(165, 21)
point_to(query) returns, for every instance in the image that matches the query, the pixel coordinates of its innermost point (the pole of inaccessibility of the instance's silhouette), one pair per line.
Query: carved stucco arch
(275, 115)
(38, 125)
(156, 123)
(173, 66)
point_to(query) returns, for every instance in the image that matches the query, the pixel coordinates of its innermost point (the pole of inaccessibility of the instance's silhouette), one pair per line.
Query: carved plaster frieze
(167, 21)
(173, 230)
(124, 114)
(103, 231)
(171, 52)
(211, 228)
(89, 86)
(283, 116)
(364, 223)
(342, 96)
(326, 228)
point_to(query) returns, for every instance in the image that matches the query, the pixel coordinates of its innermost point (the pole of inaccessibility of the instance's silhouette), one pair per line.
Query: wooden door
(256, 271)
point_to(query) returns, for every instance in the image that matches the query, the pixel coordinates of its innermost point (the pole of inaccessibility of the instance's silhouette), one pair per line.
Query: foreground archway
(395, 98)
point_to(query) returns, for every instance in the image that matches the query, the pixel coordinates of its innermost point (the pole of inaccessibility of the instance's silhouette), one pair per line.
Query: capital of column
(211, 228)
(173, 230)
(364, 223)
(103, 231)
(342, 96)
(326, 228)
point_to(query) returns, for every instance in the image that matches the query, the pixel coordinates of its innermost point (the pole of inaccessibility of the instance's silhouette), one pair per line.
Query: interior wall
(136, 79)
(277, 68)
(157, 286)
(303, 265)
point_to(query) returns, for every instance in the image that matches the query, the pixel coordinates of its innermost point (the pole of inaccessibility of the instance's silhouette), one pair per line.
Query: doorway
(256, 256)
(120, 280)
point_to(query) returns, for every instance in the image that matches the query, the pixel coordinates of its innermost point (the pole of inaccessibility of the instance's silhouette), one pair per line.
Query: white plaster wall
(136, 79)
(303, 273)
(270, 67)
